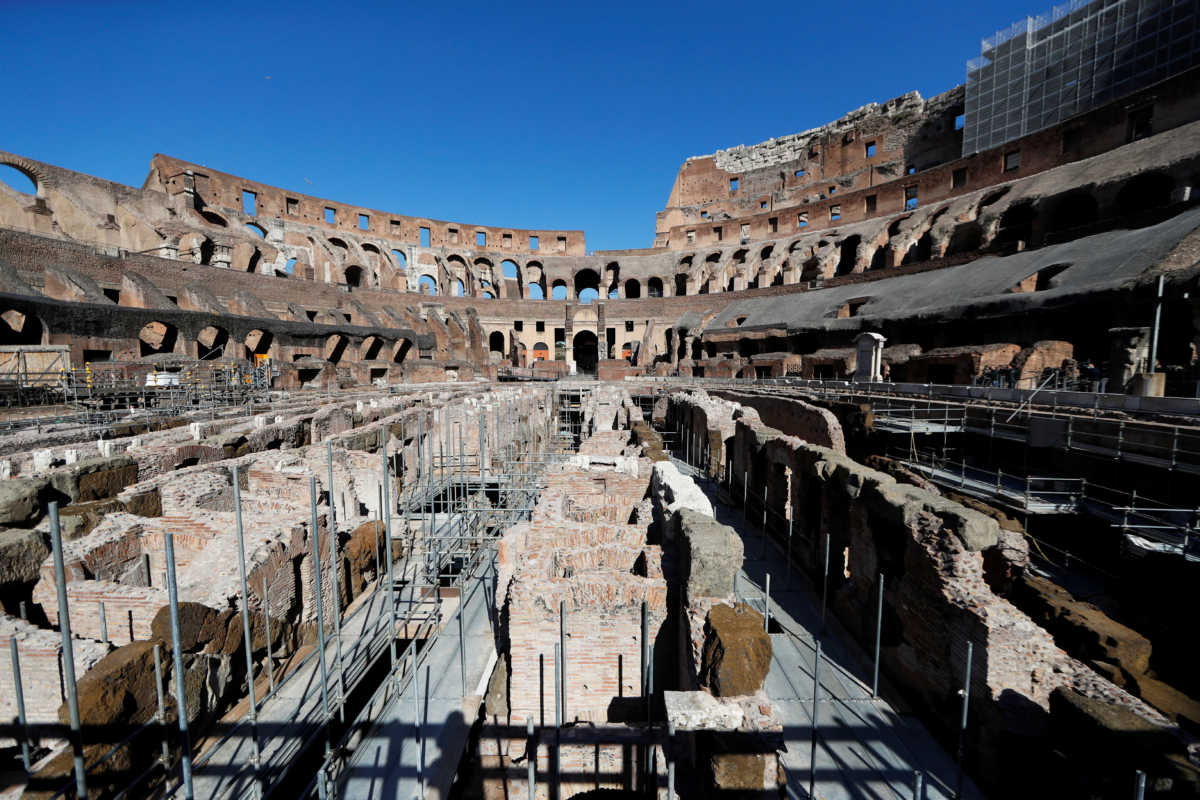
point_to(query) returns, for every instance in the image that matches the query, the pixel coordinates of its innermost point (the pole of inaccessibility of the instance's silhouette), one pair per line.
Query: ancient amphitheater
(875, 476)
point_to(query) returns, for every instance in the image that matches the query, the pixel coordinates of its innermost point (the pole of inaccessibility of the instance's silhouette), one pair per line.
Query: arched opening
(427, 285)
(849, 255)
(559, 290)
(372, 346)
(258, 343)
(535, 292)
(339, 243)
(681, 284)
(921, 251)
(459, 289)
(254, 260)
(1072, 210)
(213, 218)
(879, 259)
(488, 296)
(401, 350)
(206, 252)
(654, 287)
(354, 276)
(155, 338)
(633, 289)
(20, 328)
(401, 259)
(541, 351)
(335, 348)
(967, 237)
(288, 270)
(18, 179)
(496, 342)
(509, 269)
(257, 230)
(586, 351)
(1144, 192)
(587, 285)
(1016, 226)
(211, 342)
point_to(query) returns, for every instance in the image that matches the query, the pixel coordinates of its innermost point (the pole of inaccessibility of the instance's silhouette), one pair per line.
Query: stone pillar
(869, 367)
(601, 334)
(221, 255)
(568, 337)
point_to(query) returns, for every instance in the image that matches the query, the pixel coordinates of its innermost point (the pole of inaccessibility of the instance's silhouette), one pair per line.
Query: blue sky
(510, 114)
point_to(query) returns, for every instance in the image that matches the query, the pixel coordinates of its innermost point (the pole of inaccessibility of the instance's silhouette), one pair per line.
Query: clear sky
(564, 115)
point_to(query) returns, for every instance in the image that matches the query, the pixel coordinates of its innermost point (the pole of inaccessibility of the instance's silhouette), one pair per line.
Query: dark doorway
(586, 350)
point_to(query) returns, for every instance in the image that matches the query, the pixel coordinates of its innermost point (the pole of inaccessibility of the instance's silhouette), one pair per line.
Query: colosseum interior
(468, 511)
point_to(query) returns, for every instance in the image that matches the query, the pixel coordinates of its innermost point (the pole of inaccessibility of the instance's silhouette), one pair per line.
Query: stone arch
(401, 351)
(848, 257)
(401, 259)
(496, 342)
(370, 349)
(681, 280)
(535, 280)
(157, 338)
(654, 287)
(541, 351)
(1070, 211)
(18, 327)
(1144, 192)
(427, 284)
(257, 230)
(211, 342)
(633, 289)
(558, 291)
(587, 285)
(15, 176)
(353, 276)
(335, 348)
(586, 350)
(258, 343)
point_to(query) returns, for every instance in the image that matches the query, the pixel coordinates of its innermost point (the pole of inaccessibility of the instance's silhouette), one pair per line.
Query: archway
(587, 285)
(155, 338)
(1144, 192)
(401, 351)
(18, 180)
(848, 258)
(354, 275)
(17, 327)
(586, 351)
(1071, 210)
(633, 289)
(681, 284)
(559, 290)
(541, 351)
(371, 348)
(496, 342)
(258, 343)
(654, 287)
(335, 348)
(427, 285)
(211, 342)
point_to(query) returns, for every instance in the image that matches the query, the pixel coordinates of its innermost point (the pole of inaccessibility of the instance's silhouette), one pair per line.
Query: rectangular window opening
(518, 325)
(717, 233)
(249, 203)
(958, 178)
(562, 243)
(691, 237)
(798, 173)
(835, 212)
(540, 327)
(364, 222)
(506, 240)
(481, 238)
(733, 184)
(802, 220)
(870, 148)
(292, 206)
(424, 237)
(871, 203)
(452, 235)
(1012, 161)
(960, 122)
(762, 204)
(745, 231)
(533, 243)
(629, 326)
(773, 224)
(330, 216)
(910, 198)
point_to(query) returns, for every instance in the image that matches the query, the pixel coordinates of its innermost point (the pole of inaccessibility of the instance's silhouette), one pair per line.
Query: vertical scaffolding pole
(316, 555)
(185, 745)
(562, 647)
(386, 508)
(878, 639)
(68, 652)
(825, 582)
(252, 710)
(812, 750)
(530, 758)
(333, 579)
(161, 714)
(267, 624)
(20, 693)
(962, 728)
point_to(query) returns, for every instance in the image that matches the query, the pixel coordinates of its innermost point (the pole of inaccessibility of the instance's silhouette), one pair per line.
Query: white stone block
(42, 459)
(197, 431)
(71, 456)
(5, 469)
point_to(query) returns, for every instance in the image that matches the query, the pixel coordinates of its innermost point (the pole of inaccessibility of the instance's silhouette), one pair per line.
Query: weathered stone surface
(711, 554)
(744, 771)
(118, 688)
(737, 651)
(195, 621)
(79, 519)
(95, 478)
(1080, 628)
(19, 500)
(496, 701)
(1177, 706)
(146, 503)
(21, 555)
